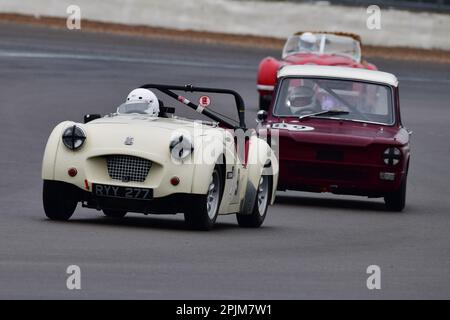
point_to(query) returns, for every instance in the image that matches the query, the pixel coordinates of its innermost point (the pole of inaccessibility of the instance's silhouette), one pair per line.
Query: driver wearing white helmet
(302, 99)
(142, 101)
(308, 41)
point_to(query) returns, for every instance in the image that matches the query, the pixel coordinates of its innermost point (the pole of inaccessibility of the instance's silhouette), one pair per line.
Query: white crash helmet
(301, 98)
(308, 40)
(147, 98)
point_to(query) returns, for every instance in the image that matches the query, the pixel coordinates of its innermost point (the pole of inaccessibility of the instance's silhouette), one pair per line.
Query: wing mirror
(261, 116)
(91, 117)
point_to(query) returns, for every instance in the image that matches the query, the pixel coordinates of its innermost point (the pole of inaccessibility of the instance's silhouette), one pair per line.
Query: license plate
(103, 190)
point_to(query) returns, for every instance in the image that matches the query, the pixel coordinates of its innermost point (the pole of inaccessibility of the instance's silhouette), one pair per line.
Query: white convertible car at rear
(144, 159)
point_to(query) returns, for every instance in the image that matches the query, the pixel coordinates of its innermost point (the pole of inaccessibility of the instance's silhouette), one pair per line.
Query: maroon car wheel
(396, 200)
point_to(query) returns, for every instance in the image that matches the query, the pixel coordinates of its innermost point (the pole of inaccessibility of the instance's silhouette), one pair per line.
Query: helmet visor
(301, 101)
(135, 107)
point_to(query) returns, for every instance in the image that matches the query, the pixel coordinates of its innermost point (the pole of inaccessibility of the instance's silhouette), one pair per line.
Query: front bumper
(338, 178)
(171, 204)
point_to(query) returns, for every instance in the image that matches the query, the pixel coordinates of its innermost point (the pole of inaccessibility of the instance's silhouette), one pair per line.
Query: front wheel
(262, 201)
(59, 200)
(203, 213)
(395, 201)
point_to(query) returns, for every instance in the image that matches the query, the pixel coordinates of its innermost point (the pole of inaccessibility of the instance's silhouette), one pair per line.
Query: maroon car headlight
(392, 156)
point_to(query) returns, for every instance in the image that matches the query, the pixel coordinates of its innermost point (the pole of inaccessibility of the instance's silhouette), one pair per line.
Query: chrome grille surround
(128, 168)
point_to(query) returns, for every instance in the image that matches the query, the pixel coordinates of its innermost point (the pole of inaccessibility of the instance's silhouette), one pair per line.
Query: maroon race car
(308, 48)
(339, 130)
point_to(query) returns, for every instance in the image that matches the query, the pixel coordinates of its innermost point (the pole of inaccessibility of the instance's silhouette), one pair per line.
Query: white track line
(70, 56)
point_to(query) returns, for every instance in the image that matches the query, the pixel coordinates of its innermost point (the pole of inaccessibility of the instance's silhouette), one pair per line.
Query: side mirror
(91, 117)
(261, 116)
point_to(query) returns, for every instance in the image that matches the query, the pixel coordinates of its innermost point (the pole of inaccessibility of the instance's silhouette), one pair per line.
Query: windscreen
(134, 108)
(337, 99)
(323, 44)
(220, 105)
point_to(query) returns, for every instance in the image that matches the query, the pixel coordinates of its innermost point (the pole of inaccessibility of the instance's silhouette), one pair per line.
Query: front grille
(329, 155)
(324, 172)
(338, 174)
(331, 173)
(128, 168)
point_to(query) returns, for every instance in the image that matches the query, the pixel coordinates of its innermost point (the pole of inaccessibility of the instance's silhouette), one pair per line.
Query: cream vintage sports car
(144, 159)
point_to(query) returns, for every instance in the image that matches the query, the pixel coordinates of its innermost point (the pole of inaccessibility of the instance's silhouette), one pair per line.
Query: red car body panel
(268, 68)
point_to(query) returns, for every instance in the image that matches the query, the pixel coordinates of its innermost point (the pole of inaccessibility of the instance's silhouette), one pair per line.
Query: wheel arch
(51, 151)
(262, 160)
(203, 173)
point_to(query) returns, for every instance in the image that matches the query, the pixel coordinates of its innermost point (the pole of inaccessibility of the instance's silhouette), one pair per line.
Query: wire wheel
(202, 213)
(213, 196)
(256, 218)
(263, 194)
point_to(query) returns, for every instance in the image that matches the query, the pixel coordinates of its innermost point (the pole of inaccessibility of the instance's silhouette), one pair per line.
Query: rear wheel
(114, 213)
(264, 102)
(59, 200)
(395, 201)
(204, 211)
(259, 212)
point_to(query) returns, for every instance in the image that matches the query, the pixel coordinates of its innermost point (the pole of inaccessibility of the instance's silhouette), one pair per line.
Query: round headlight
(73, 137)
(181, 147)
(392, 156)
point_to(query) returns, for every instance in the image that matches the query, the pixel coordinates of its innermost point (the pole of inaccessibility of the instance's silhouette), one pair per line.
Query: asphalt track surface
(311, 246)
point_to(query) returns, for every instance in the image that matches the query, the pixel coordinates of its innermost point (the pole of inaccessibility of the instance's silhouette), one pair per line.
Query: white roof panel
(338, 72)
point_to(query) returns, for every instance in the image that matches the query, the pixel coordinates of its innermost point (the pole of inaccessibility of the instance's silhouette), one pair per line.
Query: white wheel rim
(212, 197)
(263, 194)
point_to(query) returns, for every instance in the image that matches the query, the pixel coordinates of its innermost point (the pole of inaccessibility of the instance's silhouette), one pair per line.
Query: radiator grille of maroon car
(324, 172)
(128, 168)
(330, 155)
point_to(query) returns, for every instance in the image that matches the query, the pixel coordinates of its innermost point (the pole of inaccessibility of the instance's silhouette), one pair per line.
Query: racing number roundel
(204, 101)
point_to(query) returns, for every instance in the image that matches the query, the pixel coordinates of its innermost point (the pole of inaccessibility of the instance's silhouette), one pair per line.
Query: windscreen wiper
(324, 113)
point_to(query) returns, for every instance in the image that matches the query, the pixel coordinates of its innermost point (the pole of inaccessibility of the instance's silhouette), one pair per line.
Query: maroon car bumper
(338, 178)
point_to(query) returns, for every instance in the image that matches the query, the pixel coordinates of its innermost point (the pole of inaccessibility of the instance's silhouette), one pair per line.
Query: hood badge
(129, 141)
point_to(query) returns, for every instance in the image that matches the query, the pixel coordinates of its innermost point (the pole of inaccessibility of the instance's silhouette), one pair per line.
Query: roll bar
(168, 90)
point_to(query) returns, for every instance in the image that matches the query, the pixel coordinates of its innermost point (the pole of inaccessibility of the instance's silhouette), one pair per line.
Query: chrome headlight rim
(181, 147)
(74, 137)
(392, 156)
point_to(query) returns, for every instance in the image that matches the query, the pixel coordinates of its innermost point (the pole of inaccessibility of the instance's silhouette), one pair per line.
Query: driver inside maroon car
(301, 99)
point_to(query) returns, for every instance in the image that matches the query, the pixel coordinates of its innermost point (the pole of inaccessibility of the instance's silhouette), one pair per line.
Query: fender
(261, 160)
(267, 75)
(204, 168)
(51, 150)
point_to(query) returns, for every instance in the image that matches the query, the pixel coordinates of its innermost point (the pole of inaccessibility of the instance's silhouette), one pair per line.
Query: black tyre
(262, 201)
(114, 213)
(203, 213)
(395, 201)
(59, 200)
(264, 102)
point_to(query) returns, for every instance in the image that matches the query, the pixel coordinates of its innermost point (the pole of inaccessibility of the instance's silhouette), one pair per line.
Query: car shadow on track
(360, 205)
(146, 223)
